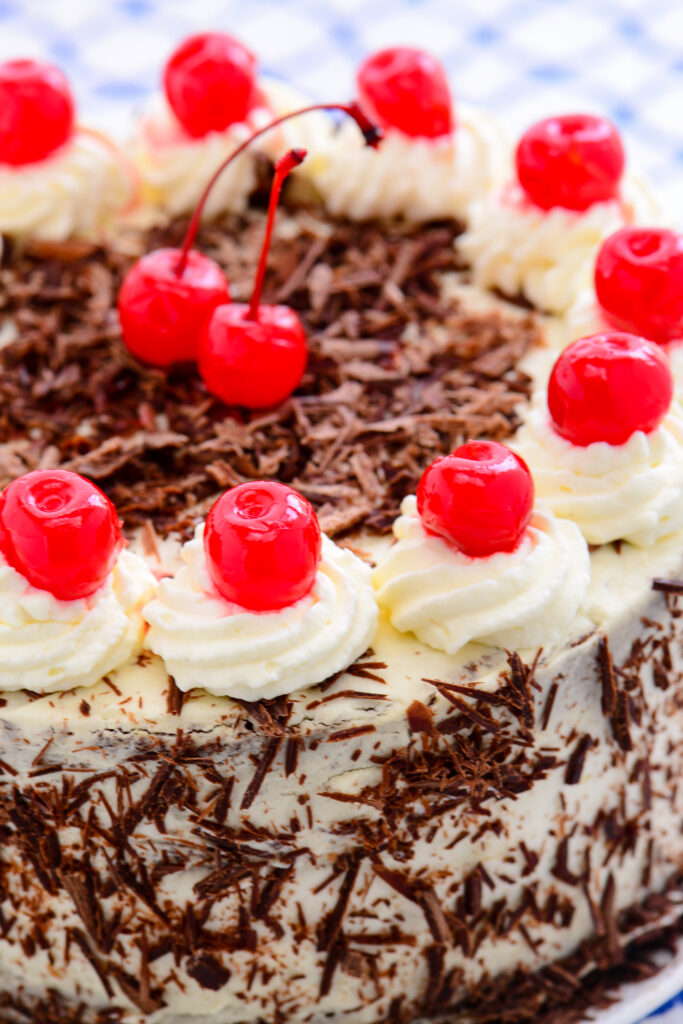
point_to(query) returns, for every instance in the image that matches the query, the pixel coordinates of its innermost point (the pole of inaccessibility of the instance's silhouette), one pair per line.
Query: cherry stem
(371, 133)
(283, 166)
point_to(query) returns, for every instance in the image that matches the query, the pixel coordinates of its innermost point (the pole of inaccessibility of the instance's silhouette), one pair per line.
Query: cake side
(305, 856)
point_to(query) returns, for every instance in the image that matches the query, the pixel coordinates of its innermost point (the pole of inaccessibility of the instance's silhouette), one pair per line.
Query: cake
(426, 765)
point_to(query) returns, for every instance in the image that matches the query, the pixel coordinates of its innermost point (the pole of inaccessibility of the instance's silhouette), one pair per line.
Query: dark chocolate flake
(572, 775)
(378, 402)
(208, 971)
(668, 586)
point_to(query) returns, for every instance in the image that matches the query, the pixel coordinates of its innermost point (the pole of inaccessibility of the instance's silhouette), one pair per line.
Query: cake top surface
(399, 372)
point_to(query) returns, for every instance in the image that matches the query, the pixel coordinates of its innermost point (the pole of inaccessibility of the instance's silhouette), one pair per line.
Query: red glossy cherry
(253, 363)
(263, 544)
(36, 111)
(167, 297)
(572, 161)
(210, 82)
(607, 386)
(480, 498)
(255, 355)
(639, 282)
(407, 89)
(60, 532)
(163, 313)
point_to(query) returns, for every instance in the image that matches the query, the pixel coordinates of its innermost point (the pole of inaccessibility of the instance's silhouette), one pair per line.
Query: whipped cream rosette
(211, 102)
(70, 599)
(605, 443)
(433, 161)
(418, 178)
(537, 236)
(583, 318)
(264, 605)
(57, 179)
(474, 561)
(175, 167)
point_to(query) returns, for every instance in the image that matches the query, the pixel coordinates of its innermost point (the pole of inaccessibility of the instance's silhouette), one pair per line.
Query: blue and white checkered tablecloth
(521, 58)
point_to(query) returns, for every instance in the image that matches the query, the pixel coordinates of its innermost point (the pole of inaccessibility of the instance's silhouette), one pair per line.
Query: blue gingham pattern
(523, 59)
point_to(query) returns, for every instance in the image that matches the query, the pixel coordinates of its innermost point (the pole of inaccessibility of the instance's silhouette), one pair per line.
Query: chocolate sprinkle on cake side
(397, 374)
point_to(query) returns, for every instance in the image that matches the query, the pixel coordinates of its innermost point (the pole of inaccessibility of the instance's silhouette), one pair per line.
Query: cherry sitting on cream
(60, 532)
(608, 386)
(639, 282)
(36, 111)
(479, 498)
(263, 545)
(210, 82)
(571, 161)
(406, 89)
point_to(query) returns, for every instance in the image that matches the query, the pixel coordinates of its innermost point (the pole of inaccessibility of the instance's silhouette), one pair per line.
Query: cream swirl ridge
(420, 179)
(545, 255)
(175, 167)
(522, 598)
(48, 645)
(209, 643)
(631, 492)
(77, 191)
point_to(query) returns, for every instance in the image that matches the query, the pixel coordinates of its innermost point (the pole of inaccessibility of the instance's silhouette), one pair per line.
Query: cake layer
(378, 847)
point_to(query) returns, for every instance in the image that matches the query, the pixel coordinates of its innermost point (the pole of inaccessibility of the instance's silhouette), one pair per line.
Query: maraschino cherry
(608, 386)
(639, 282)
(60, 532)
(210, 82)
(263, 543)
(36, 111)
(162, 312)
(406, 89)
(167, 297)
(479, 498)
(572, 161)
(255, 355)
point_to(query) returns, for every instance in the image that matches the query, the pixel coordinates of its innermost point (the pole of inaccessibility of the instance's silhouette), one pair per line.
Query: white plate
(644, 997)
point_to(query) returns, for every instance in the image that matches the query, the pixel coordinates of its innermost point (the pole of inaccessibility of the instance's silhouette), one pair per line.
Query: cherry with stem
(371, 133)
(250, 354)
(169, 295)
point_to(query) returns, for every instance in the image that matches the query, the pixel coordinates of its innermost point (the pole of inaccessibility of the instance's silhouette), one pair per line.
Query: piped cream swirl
(75, 192)
(522, 598)
(230, 651)
(584, 317)
(420, 179)
(175, 168)
(47, 644)
(544, 255)
(632, 491)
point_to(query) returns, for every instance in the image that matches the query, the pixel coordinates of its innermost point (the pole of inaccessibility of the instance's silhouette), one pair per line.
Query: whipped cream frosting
(47, 644)
(175, 167)
(210, 643)
(522, 598)
(420, 179)
(674, 350)
(632, 491)
(583, 318)
(545, 255)
(76, 191)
